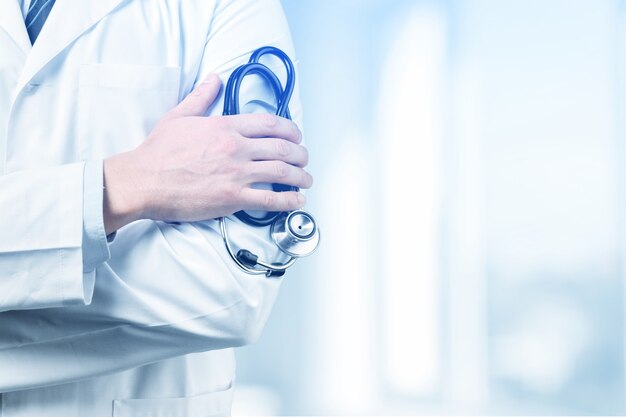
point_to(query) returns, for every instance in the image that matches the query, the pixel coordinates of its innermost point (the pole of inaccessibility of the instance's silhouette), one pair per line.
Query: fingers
(265, 126)
(272, 201)
(277, 150)
(278, 172)
(198, 101)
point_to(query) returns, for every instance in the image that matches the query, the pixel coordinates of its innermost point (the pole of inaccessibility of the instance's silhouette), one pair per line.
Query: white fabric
(25, 4)
(169, 303)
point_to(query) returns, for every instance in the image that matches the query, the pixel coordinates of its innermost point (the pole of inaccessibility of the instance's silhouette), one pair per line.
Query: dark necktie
(35, 18)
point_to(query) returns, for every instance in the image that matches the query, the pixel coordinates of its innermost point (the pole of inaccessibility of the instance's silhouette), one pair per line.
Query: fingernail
(301, 199)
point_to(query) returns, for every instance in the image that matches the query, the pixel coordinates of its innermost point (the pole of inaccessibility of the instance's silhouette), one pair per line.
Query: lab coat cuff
(95, 244)
(56, 253)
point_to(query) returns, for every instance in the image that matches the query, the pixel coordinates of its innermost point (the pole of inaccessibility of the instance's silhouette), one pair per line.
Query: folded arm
(168, 289)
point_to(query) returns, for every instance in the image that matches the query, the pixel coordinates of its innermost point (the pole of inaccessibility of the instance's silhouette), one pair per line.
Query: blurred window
(410, 134)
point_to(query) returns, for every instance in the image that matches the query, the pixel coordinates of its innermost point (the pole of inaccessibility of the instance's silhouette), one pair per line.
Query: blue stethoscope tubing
(295, 233)
(282, 96)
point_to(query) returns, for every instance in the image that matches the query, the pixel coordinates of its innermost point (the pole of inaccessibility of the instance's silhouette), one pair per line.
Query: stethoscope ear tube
(282, 97)
(295, 233)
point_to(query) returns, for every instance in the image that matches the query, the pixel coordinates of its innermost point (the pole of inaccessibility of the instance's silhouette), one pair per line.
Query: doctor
(104, 132)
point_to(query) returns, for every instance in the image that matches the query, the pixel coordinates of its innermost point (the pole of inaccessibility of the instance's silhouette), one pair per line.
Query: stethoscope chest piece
(296, 233)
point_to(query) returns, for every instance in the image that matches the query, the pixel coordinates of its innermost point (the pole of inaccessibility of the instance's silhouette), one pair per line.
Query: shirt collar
(24, 4)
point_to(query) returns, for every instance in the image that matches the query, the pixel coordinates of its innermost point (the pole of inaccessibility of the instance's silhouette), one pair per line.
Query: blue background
(469, 166)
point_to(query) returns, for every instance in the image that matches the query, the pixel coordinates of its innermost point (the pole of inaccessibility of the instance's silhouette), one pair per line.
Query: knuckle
(280, 170)
(268, 201)
(216, 122)
(230, 146)
(282, 148)
(293, 201)
(230, 194)
(269, 120)
(236, 171)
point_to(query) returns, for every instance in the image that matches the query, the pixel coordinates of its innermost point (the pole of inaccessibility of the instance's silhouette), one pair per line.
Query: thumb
(198, 101)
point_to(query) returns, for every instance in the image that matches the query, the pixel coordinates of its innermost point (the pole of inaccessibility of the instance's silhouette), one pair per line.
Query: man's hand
(194, 168)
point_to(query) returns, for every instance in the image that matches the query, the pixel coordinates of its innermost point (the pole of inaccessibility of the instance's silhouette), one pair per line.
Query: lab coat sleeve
(95, 244)
(168, 289)
(41, 235)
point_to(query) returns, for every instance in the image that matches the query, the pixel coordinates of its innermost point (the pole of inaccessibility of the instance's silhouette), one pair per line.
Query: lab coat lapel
(67, 21)
(12, 21)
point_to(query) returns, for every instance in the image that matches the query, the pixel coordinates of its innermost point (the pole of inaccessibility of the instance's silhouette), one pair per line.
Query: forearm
(122, 193)
(168, 289)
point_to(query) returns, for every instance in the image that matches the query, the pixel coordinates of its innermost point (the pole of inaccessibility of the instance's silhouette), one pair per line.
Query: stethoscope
(295, 233)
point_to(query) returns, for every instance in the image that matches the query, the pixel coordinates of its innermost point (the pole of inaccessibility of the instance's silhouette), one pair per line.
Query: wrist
(123, 201)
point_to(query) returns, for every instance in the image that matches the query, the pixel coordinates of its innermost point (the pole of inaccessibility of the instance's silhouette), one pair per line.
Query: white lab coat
(148, 332)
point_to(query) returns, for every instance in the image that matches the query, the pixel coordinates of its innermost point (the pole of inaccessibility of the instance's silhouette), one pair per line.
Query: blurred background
(469, 160)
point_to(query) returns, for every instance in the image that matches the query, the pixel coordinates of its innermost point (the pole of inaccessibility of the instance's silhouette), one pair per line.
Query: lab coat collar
(12, 22)
(67, 21)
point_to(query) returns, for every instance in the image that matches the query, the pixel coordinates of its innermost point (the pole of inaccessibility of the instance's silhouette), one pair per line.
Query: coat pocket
(119, 105)
(212, 404)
